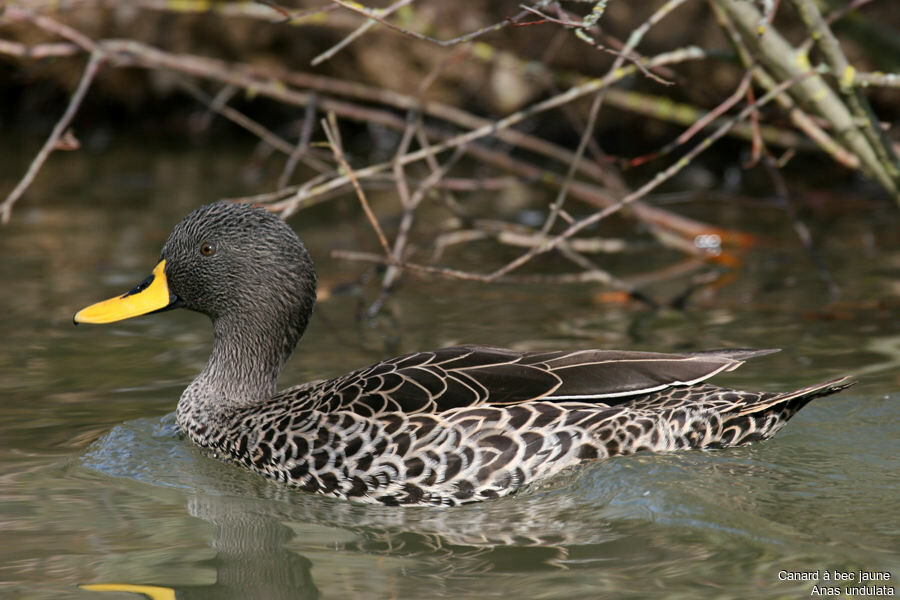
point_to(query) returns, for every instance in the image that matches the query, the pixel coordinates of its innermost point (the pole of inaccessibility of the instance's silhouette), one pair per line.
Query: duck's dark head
(236, 263)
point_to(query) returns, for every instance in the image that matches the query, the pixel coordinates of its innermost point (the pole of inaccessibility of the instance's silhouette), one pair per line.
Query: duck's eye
(207, 249)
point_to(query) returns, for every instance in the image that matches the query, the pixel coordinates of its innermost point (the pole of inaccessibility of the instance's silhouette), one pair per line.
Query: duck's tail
(799, 398)
(760, 417)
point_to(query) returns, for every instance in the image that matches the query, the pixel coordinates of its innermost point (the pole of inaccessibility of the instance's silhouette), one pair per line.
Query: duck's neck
(242, 371)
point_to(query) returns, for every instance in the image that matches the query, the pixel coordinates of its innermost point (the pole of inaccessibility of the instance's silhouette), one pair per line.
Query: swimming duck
(443, 427)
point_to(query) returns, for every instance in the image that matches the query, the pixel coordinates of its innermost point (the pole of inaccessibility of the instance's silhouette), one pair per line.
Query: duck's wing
(461, 376)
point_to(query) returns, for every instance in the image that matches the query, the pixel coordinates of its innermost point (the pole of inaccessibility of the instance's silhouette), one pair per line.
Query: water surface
(98, 487)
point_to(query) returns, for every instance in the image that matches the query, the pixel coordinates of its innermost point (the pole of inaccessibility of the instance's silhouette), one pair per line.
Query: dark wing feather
(481, 375)
(603, 374)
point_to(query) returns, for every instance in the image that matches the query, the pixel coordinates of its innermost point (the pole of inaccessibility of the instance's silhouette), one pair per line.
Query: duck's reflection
(251, 559)
(259, 525)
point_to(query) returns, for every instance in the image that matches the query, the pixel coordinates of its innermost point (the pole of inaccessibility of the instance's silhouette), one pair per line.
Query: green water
(97, 486)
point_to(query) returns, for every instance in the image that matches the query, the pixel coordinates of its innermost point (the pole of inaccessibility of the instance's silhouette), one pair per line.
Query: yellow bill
(151, 591)
(150, 295)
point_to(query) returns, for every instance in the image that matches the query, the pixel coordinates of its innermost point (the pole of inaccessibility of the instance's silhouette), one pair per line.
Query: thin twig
(39, 51)
(583, 277)
(90, 71)
(52, 26)
(630, 284)
(378, 15)
(638, 34)
(329, 125)
(359, 31)
(586, 136)
(306, 130)
(702, 122)
(218, 105)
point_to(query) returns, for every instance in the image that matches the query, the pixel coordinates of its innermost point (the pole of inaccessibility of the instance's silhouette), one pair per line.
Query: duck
(431, 428)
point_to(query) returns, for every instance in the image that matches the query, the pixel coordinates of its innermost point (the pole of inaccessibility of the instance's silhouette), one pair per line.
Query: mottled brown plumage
(444, 427)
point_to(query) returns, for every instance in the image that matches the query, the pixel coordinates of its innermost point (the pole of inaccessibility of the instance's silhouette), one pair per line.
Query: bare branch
(90, 71)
